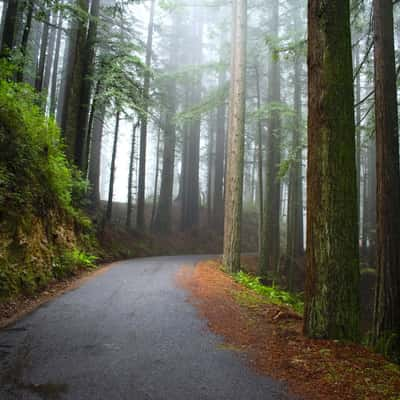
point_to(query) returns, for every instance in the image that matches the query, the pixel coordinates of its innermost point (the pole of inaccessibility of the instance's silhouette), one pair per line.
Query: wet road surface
(126, 334)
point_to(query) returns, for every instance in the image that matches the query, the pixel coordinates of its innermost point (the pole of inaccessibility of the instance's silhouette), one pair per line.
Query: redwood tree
(235, 149)
(386, 330)
(332, 270)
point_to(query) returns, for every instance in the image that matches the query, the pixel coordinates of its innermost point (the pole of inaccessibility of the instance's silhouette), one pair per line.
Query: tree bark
(386, 329)
(218, 193)
(295, 240)
(259, 146)
(95, 154)
(73, 87)
(332, 306)
(50, 54)
(112, 169)
(130, 177)
(235, 150)
(155, 192)
(10, 27)
(210, 167)
(83, 136)
(163, 220)
(53, 91)
(140, 221)
(42, 54)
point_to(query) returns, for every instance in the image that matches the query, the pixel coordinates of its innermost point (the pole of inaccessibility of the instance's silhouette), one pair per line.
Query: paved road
(125, 334)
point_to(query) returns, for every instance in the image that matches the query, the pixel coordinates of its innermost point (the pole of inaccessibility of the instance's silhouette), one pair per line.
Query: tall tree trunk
(364, 200)
(163, 220)
(235, 150)
(73, 86)
(50, 54)
(112, 169)
(210, 169)
(295, 240)
(129, 205)
(259, 145)
(66, 70)
(53, 99)
(143, 127)
(332, 308)
(270, 249)
(218, 192)
(95, 153)
(371, 203)
(83, 137)
(54, 76)
(42, 54)
(155, 192)
(386, 330)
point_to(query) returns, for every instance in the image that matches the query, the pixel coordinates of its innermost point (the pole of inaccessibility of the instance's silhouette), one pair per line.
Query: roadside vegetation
(44, 233)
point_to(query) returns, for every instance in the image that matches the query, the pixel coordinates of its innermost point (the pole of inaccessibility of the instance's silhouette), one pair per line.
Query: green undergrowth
(44, 234)
(272, 294)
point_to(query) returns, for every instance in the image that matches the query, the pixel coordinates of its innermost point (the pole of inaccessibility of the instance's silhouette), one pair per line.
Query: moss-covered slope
(42, 233)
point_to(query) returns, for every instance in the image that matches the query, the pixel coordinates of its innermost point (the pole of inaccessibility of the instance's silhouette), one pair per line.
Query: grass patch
(273, 294)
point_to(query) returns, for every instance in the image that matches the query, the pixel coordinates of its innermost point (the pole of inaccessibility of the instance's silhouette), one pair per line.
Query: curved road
(125, 334)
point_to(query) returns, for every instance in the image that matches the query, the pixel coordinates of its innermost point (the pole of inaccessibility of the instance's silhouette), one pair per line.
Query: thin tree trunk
(112, 170)
(210, 169)
(163, 220)
(358, 127)
(143, 127)
(42, 54)
(259, 143)
(130, 177)
(95, 153)
(50, 54)
(54, 76)
(154, 207)
(372, 209)
(66, 71)
(218, 193)
(295, 245)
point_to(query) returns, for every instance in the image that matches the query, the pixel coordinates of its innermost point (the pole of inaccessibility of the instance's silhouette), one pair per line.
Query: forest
(262, 131)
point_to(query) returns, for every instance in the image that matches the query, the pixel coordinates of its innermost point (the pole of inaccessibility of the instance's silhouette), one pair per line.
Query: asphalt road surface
(126, 334)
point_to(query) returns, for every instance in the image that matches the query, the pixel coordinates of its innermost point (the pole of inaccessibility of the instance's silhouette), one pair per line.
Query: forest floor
(271, 338)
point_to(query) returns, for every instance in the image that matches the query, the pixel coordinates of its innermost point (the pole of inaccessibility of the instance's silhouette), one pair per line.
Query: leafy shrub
(272, 293)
